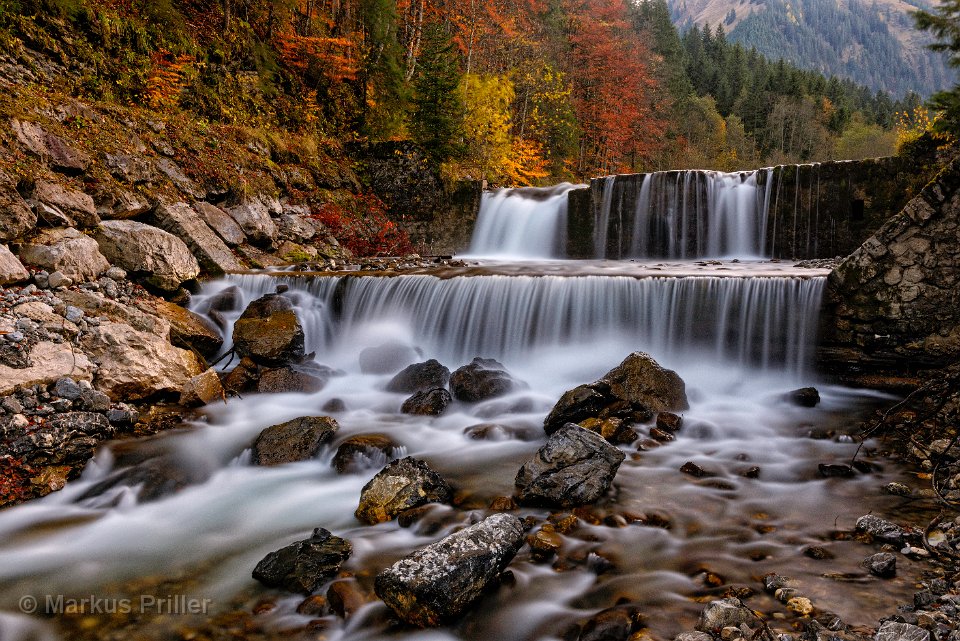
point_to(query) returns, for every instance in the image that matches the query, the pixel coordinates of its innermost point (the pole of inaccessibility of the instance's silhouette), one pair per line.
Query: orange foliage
(334, 56)
(166, 79)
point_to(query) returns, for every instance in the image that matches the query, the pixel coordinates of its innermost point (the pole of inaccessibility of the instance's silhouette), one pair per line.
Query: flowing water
(739, 333)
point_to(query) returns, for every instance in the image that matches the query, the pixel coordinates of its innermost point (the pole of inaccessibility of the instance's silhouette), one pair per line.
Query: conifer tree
(437, 122)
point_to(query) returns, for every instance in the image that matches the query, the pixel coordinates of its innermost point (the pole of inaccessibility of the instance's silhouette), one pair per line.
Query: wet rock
(897, 489)
(436, 584)
(296, 440)
(726, 612)
(831, 470)
(303, 566)
(241, 378)
(574, 467)
(305, 378)
(427, 402)
(613, 624)
(880, 529)
(544, 543)
(693, 469)
(386, 358)
(401, 485)
(123, 415)
(614, 430)
(181, 220)
(669, 421)
(818, 552)
(269, 332)
(882, 564)
(221, 222)
(482, 379)
(359, 452)
(202, 389)
(346, 597)
(334, 405)
(804, 397)
(65, 250)
(631, 391)
(154, 479)
(187, 329)
(226, 300)
(94, 400)
(693, 636)
(76, 207)
(801, 605)
(136, 365)
(497, 432)
(420, 376)
(664, 436)
(160, 258)
(11, 269)
(893, 631)
(773, 582)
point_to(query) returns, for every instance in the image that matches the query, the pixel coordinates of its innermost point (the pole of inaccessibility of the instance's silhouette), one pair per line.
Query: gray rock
(172, 171)
(65, 250)
(50, 148)
(67, 388)
(427, 402)
(574, 467)
(94, 400)
(116, 273)
(693, 636)
(131, 168)
(726, 612)
(58, 279)
(436, 584)
(892, 631)
(402, 485)
(220, 222)
(295, 227)
(161, 258)
(420, 376)
(254, 220)
(182, 221)
(123, 414)
(73, 314)
(11, 269)
(482, 379)
(121, 204)
(882, 564)
(269, 332)
(880, 529)
(77, 206)
(16, 217)
(296, 440)
(303, 566)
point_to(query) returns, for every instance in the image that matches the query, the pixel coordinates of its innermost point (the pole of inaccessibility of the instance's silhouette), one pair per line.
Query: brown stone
(269, 332)
(202, 389)
(361, 448)
(296, 440)
(399, 486)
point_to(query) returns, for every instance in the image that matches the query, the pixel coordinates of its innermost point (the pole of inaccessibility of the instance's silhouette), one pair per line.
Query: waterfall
(758, 321)
(682, 215)
(524, 223)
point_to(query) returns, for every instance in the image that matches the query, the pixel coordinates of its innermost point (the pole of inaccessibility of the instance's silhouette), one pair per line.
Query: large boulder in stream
(269, 332)
(304, 565)
(574, 467)
(436, 584)
(633, 390)
(420, 377)
(404, 484)
(482, 379)
(296, 440)
(427, 402)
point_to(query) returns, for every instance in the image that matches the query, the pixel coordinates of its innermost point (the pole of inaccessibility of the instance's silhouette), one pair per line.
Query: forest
(526, 92)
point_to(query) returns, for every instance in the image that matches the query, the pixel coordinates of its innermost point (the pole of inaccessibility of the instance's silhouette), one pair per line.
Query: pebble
(58, 279)
(67, 388)
(15, 337)
(73, 314)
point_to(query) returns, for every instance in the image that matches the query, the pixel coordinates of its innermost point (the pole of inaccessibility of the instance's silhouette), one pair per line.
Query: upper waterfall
(529, 222)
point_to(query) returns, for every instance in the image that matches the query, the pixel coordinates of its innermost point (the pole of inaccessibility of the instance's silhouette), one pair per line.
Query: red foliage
(364, 228)
(613, 89)
(15, 486)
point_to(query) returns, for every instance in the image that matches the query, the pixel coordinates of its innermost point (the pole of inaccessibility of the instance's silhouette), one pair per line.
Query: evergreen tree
(384, 89)
(437, 122)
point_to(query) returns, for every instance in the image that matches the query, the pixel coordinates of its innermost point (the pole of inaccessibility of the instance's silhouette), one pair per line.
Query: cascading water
(738, 333)
(522, 223)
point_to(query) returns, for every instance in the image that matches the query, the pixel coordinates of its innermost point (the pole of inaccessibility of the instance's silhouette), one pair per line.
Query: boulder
(16, 217)
(401, 485)
(305, 565)
(202, 389)
(11, 269)
(65, 438)
(182, 221)
(361, 451)
(50, 148)
(305, 378)
(77, 207)
(295, 227)
(119, 204)
(47, 363)
(482, 379)
(881, 564)
(436, 584)
(241, 378)
(893, 631)
(130, 168)
(881, 530)
(632, 391)
(427, 402)
(254, 220)
(803, 397)
(574, 467)
(162, 259)
(386, 358)
(67, 251)
(269, 332)
(296, 440)
(95, 304)
(187, 329)
(220, 222)
(172, 171)
(420, 376)
(136, 365)
(724, 613)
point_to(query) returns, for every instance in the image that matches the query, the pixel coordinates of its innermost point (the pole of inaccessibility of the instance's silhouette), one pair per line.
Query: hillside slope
(873, 43)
